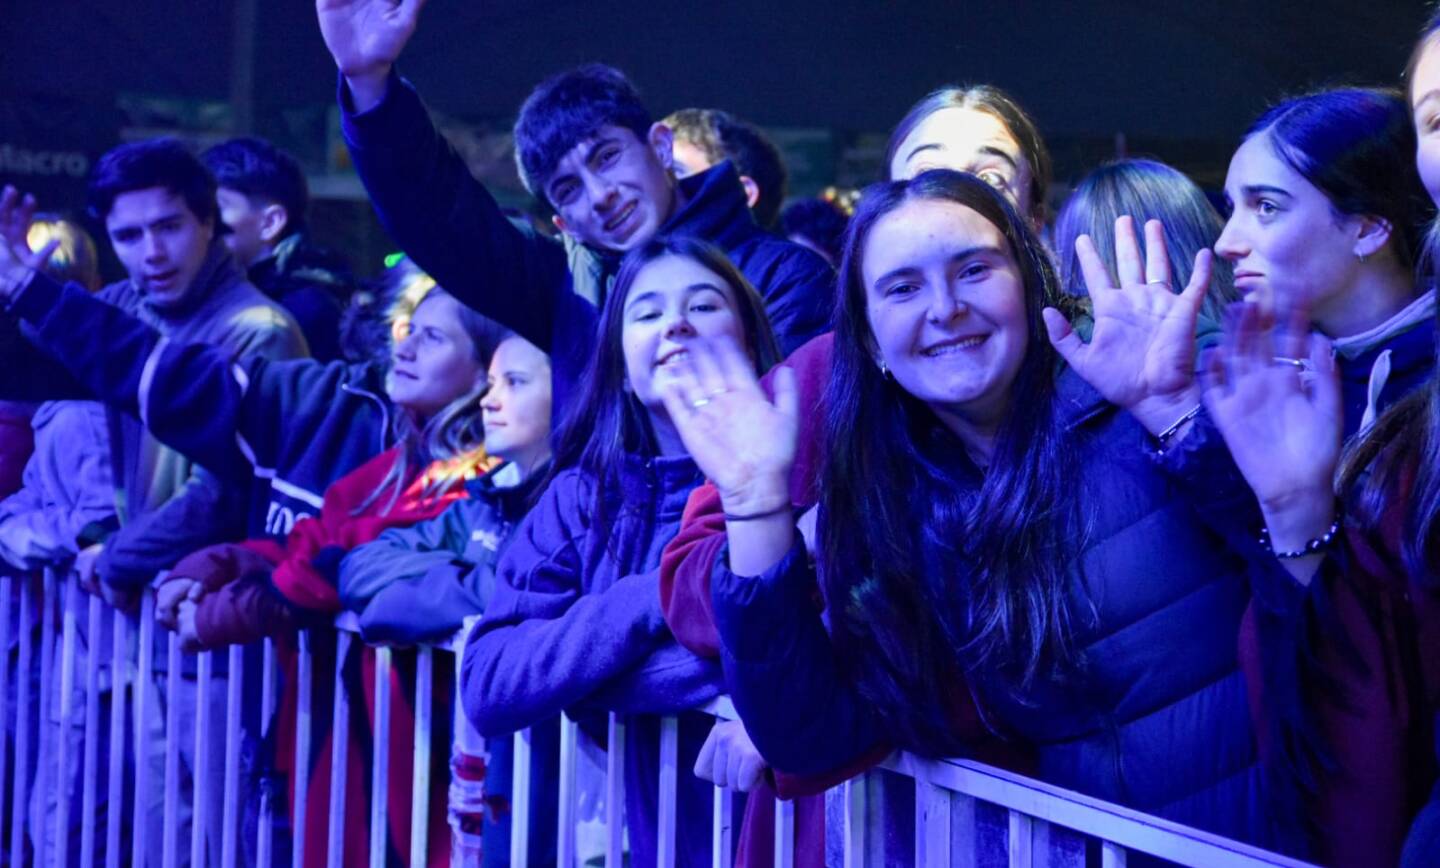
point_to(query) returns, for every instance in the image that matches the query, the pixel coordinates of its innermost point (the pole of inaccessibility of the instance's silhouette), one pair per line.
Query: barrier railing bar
(565, 833)
(615, 793)
(1128, 828)
(69, 599)
(170, 855)
(302, 749)
(115, 781)
(1112, 855)
(784, 833)
(932, 825)
(200, 774)
(230, 800)
(265, 835)
(140, 826)
(380, 762)
(339, 748)
(721, 824)
(420, 772)
(7, 589)
(46, 700)
(1021, 855)
(855, 811)
(520, 802)
(669, 780)
(22, 723)
(90, 764)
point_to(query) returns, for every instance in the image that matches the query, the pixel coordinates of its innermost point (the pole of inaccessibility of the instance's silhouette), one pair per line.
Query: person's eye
(564, 193)
(975, 270)
(128, 236)
(644, 314)
(704, 306)
(607, 156)
(900, 290)
(993, 178)
(1267, 208)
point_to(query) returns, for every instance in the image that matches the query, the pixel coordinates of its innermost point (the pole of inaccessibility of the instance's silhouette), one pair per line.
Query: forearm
(802, 714)
(519, 670)
(446, 220)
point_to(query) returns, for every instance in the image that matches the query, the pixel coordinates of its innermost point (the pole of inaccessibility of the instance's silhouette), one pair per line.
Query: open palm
(1142, 350)
(366, 36)
(741, 440)
(1275, 396)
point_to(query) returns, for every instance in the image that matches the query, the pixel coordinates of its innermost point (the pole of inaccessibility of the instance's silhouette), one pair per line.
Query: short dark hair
(1357, 146)
(568, 108)
(163, 162)
(820, 220)
(722, 136)
(259, 170)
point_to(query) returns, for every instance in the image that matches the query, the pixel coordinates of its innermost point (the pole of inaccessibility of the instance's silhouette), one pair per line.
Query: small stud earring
(1361, 257)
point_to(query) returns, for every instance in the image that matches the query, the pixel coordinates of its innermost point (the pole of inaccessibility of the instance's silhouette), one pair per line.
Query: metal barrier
(963, 812)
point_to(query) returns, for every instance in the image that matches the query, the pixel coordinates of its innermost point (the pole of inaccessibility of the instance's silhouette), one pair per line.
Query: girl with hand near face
(1002, 506)
(1348, 653)
(574, 623)
(1326, 217)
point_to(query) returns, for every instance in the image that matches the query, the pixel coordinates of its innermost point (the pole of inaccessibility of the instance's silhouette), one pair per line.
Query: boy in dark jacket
(587, 147)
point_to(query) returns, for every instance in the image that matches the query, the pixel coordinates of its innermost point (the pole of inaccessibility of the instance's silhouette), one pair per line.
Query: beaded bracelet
(1313, 546)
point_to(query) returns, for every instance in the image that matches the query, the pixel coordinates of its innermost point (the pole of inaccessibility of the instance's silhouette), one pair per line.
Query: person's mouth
(621, 218)
(163, 279)
(951, 346)
(673, 359)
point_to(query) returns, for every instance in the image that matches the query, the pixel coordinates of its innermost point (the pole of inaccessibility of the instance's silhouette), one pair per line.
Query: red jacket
(1368, 638)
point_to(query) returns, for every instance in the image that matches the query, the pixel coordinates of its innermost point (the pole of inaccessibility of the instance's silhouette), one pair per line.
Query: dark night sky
(1173, 69)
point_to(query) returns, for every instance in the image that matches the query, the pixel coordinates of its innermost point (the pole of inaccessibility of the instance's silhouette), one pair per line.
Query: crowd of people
(1137, 498)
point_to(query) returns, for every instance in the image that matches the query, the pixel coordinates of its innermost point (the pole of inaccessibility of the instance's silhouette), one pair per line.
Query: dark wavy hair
(1000, 105)
(1405, 440)
(163, 162)
(568, 108)
(606, 421)
(1357, 146)
(257, 169)
(929, 564)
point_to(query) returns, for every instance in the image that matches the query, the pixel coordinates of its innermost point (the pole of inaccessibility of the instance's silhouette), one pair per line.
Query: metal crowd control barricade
(62, 749)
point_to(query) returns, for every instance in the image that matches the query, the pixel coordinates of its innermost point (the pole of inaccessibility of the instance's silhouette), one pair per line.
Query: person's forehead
(149, 204)
(959, 131)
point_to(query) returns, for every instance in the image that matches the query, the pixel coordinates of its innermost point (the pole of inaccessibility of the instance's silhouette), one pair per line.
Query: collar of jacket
(295, 261)
(1416, 313)
(218, 271)
(513, 501)
(658, 479)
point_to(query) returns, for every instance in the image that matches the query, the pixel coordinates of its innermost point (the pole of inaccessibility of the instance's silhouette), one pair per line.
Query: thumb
(39, 258)
(1064, 338)
(787, 392)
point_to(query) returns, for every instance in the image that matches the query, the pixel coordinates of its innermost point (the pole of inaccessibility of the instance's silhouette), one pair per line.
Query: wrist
(762, 496)
(1295, 518)
(14, 282)
(1160, 413)
(367, 86)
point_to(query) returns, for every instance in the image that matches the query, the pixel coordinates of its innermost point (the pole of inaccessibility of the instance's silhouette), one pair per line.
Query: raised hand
(17, 261)
(365, 37)
(1141, 355)
(1275, 396)
(742, 441)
